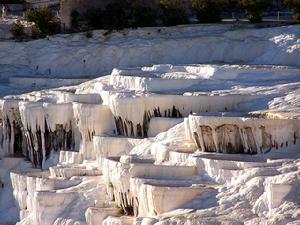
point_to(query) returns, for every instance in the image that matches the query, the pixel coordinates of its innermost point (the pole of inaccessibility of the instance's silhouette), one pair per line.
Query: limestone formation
(126, 151)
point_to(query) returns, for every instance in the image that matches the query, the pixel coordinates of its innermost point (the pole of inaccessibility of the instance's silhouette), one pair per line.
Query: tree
(255, 8)
(209, 11)
(45, 21)
(94, 18)
(17, 30)
(294, 5)
(114, 16)
(75, 19)
(173, 12)
(143, 16)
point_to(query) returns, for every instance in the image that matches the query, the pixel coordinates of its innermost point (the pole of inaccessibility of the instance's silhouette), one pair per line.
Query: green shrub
(255, 8)
(143, 16)
(54, 26)
(17, 30)
(75, 19)
(209, 11)
(45, 20)
(35, 32)
(173, 12)
(114, 16)
(94, 18)
(294, 5)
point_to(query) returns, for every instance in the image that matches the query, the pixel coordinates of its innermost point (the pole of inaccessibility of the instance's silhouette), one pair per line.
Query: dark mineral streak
(126, 127)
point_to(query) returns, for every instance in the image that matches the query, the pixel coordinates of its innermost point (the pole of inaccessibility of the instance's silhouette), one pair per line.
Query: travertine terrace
(165, 144)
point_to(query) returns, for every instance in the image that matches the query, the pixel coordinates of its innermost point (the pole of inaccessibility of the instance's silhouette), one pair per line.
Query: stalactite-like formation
(140, 130)
(240, 135)
(12, 140)
(42, 143)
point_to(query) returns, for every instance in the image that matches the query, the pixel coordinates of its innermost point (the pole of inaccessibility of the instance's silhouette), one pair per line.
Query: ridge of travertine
(76, 55)
(189, 144)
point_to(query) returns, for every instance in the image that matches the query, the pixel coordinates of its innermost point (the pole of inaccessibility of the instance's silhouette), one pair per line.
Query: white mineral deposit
(187, 125)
